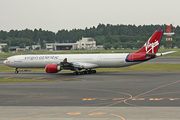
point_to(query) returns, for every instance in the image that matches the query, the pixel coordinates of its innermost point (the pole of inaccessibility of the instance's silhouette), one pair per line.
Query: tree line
(117, 36)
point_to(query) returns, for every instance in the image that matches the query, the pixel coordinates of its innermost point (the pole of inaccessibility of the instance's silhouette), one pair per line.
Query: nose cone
(4, 62)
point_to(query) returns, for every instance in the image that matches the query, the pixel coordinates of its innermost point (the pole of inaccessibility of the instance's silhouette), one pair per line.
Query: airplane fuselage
(93, 60)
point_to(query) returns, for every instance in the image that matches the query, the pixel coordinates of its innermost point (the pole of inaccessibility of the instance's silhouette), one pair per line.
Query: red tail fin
(148, 50)
(152, 45)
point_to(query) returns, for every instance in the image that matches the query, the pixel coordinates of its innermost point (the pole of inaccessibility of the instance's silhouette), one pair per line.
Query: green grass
(5, 55)
(4, 68)
(22, 80)
(145, 67)
(138, 67)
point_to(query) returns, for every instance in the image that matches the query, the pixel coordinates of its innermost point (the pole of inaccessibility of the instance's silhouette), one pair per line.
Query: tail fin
(152, 45)
(148, 50)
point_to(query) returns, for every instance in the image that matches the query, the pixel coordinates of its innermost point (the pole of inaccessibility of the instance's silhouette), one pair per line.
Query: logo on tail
(150, 46)
(148, 50)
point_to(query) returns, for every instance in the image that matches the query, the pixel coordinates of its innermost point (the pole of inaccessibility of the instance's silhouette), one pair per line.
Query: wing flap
(76, 65)
(88, 65)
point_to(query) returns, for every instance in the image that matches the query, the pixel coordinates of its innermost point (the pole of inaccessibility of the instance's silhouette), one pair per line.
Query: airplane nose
(4, 62)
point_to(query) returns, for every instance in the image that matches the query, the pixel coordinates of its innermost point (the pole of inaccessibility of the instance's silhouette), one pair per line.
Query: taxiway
(104, 95)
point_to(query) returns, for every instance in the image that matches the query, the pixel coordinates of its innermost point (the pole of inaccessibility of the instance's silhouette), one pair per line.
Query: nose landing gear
(16, 70)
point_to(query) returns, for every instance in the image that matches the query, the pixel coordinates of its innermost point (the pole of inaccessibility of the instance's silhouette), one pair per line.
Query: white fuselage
(40, 61)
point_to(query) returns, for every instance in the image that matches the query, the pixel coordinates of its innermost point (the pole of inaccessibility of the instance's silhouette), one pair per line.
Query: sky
(54, 15)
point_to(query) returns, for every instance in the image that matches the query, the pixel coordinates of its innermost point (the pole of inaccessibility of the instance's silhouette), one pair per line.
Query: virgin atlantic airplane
(84, 63)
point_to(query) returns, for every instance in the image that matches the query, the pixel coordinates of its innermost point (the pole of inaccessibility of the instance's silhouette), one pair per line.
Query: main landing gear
(16, 70)
(84, 72)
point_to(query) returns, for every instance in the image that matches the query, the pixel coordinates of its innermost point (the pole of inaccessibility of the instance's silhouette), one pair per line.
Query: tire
(84, 72)
(89, 71)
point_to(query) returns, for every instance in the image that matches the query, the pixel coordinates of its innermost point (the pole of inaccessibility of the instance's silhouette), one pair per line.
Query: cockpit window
(6, 59)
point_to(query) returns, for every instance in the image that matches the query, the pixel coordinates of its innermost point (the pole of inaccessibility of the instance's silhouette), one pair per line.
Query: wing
(76, 65)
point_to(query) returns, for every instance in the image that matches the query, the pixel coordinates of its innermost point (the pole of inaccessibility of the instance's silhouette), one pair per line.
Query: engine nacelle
(52, 68)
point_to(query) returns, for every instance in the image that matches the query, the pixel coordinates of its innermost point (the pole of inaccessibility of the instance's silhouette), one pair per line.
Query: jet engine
(52, 68)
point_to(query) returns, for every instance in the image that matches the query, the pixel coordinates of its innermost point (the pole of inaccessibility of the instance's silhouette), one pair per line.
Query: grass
(22, 80)
(145, 67)
(6, 55)
(138, 67)
(4, 68)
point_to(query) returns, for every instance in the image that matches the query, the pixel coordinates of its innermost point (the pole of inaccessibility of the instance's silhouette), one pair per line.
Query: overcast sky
(54, 15)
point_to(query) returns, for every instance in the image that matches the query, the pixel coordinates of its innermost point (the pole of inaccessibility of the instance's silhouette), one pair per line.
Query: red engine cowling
(52, 68)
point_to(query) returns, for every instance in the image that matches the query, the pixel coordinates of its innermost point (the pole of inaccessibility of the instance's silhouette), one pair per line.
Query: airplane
(84, 63)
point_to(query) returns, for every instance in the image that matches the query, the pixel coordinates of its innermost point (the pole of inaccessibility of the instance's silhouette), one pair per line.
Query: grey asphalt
(104, 95)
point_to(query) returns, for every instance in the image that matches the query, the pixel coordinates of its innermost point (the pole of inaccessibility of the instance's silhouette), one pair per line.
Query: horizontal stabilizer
(165, 53)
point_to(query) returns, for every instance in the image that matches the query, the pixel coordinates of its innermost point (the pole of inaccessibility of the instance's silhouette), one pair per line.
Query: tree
(3, 35)
(5, 48)
(139, 44)
(129, 45)
(22, 45)
(37, 48)
(107, 46)
(127, 35)
(30, 48)
(116, 45)
(178, 44)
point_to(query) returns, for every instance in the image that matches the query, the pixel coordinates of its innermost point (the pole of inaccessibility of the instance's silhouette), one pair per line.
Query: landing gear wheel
(78, 73)
(16, 70)
(75, 73)
(84, 72)
(93, 71)
(88, 72)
